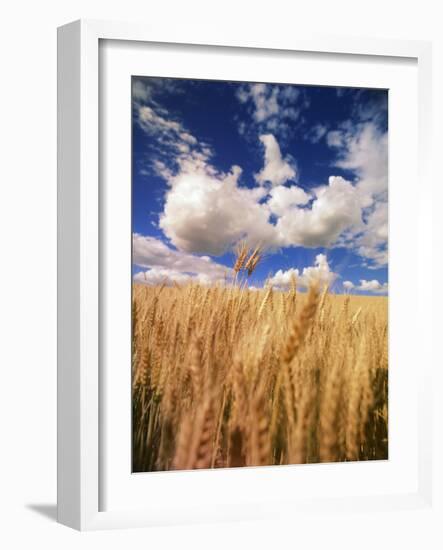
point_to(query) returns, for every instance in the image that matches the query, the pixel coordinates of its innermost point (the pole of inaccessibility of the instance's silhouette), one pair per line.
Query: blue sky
(300, 170)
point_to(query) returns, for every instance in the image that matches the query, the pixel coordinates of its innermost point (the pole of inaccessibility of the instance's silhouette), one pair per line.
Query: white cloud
(151, 121)
(319, 273)
(363, 149)
(265, 100)
(207, 212)
(176, 142)
(335, 209)
(173, 141)
(372, 243)
(165, 262)
(366, 154)
(145, 90)
(157, 276)
(273, 107)
(283, 199)
(373, 286)
(186, 136)
(161, 169)
(276, 170)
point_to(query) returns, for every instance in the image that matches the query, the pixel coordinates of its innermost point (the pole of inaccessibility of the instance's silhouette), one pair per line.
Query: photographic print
(259, 274)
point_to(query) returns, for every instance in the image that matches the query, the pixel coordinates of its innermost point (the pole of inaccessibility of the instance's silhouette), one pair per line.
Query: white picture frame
(80, 444)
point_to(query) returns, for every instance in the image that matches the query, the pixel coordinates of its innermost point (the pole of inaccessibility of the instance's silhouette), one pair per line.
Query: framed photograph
(240, 235)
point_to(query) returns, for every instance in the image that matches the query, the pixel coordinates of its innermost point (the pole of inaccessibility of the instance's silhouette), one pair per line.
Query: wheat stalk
(224, 376)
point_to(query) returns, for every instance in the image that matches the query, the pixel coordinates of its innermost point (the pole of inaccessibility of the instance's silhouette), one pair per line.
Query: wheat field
(225, 376)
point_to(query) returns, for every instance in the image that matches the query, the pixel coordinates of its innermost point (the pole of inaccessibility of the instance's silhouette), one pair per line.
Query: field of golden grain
(228, 377)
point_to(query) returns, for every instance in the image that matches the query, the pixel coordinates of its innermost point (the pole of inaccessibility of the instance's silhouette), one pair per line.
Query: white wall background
(28, 273)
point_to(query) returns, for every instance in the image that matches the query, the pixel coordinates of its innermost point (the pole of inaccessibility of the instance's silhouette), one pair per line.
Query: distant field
(228, 377)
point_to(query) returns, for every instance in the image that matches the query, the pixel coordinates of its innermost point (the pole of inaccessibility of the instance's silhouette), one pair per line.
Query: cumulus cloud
(336, 208)
(283, 199)
(167, 264)
(157, 276)
(363, 150)
(361, 147)
(208, 212)
(348, 285)
(373, 286)
(319, 273)
(366, 154)
(276, 170)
